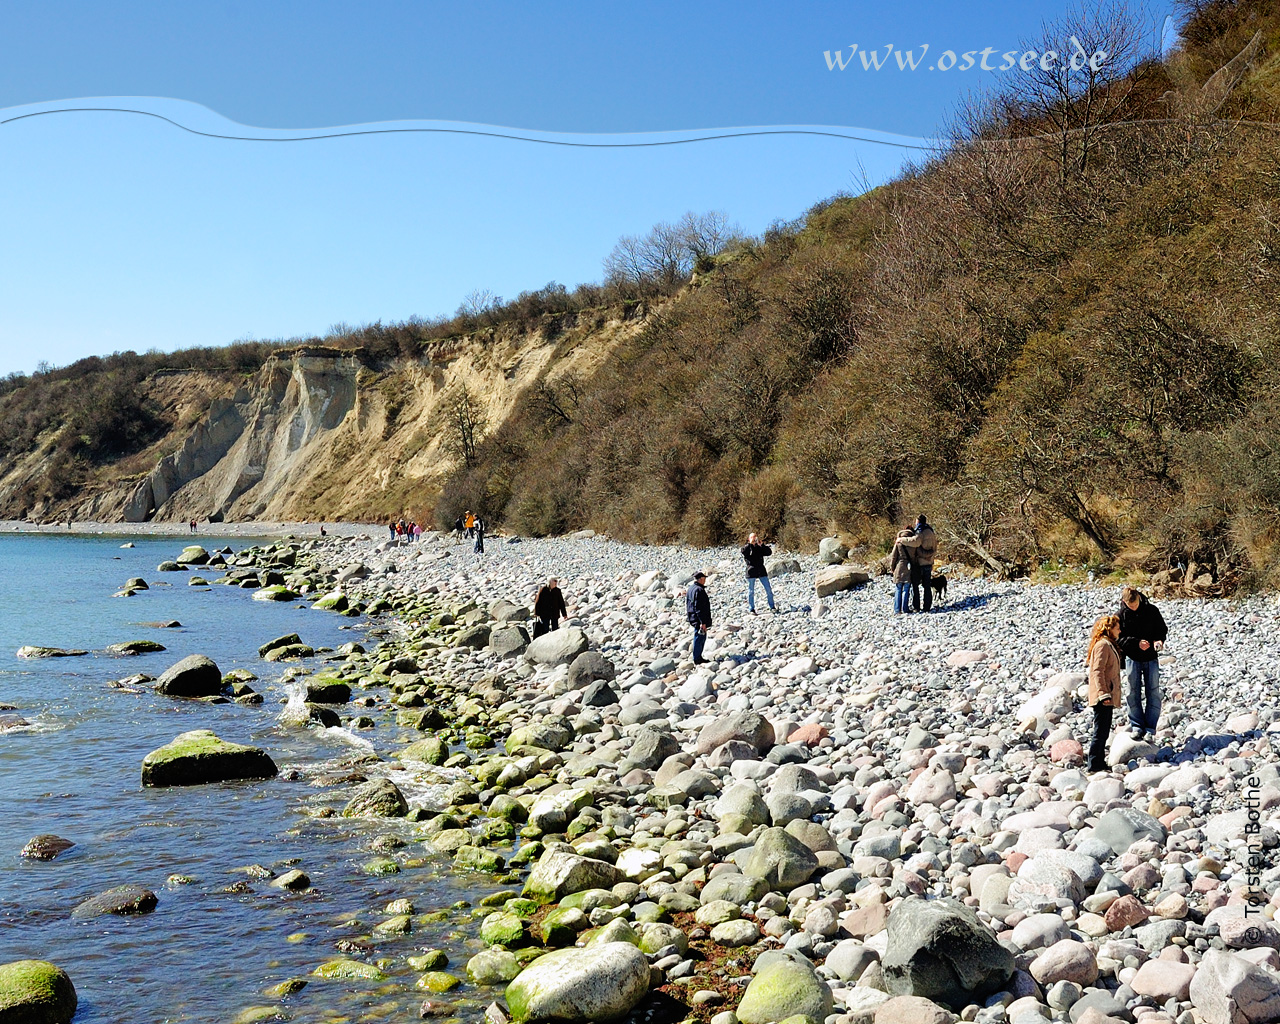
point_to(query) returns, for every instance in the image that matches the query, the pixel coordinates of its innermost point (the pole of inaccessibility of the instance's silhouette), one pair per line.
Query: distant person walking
(901, 567)
(924, 548)
(479, 532)
(698, 610)
(392, 527)
(1142, 636)
(457, 530)
(548, 608)
(754, 553)
(1103, 660)
(469, 525)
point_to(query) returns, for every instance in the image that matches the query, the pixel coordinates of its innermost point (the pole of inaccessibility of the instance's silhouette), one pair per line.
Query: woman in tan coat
(1103, 659)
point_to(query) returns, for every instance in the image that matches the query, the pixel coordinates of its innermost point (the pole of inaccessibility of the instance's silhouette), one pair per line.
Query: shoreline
(250, 529)
(783, 817)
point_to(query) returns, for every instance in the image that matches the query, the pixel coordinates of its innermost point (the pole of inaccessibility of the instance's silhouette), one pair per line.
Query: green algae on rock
(596, 983)
(36, 992)
(349, 970)
(198, 757)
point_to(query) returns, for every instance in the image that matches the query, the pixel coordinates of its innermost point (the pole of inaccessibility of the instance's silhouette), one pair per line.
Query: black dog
(938, 584)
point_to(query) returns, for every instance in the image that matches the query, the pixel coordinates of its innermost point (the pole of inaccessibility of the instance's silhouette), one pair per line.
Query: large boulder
(651, 746)
(939, 949)
(35, 992)
(835, 578)
(1121, 827)
(782, 989)
(746, 726)
(781, 859)
(194, 676)
(597, 983)
(197, 757)
(377, 798)
(193, 554)
(559, 647)
(1227, 989)
(560, 872)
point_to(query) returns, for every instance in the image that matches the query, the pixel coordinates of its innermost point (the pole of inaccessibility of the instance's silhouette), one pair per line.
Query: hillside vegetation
(1058, 339)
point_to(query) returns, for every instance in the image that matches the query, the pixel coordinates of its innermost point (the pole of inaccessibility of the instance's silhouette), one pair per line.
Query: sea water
(207, 952)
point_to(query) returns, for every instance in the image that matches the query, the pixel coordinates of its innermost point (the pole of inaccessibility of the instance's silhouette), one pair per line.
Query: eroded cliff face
(320, 434)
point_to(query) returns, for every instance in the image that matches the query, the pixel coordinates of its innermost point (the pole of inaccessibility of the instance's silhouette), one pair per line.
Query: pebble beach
(844, 816)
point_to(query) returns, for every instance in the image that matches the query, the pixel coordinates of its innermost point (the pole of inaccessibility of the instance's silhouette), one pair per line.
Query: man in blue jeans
(698, 611)
(1142, 635)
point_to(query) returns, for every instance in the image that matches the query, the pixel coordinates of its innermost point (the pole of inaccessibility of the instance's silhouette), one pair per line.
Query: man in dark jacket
(698, 610)
(924, 548)
(1142, 636)
(754, 554)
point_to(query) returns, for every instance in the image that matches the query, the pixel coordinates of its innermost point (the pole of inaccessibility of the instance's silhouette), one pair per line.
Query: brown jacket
(924, 545)
(900, 563)
(1104, 673)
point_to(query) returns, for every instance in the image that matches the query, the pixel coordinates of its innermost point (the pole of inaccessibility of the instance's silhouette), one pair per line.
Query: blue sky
(124, 232)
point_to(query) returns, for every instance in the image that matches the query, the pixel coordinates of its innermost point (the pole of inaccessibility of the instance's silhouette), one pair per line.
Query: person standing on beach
(754, 553)
(1142, 636)
(469, 524)
(392, 527)
(901, 567)
(924, 548)
(698, 610)
(479, 531)
(1103, 660)
(548, 608)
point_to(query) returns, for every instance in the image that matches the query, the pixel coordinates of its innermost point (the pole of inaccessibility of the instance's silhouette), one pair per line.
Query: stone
(912, 1010)
(601, 982)
(36, 992)
(124, 900)
(832, 551)
(377, 798)
(783, 989)
(849, 959)
(735, 933)
(198, 757)
(781, 859)
(492, 967)
(130, 647)
(508, 641)
(48, 652)
(837, 578)
(558, 647)
(46, 847)
(1066, 960)
(559, 873)
(1227, 989)
(1163, 980)
(746, 726)
(588, 667)
(193, 676)
(1121, 827)
(940, 950)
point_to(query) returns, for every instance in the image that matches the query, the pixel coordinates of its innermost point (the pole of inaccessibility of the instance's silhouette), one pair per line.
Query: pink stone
(1066, 752)
(1163, 980)
(810, 734)
(1124, 913)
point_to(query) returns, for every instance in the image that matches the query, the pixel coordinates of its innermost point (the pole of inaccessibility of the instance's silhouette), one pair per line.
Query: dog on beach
(938, 584)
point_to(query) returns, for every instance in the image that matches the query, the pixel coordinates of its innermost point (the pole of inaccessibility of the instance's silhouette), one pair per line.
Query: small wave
(340, 732)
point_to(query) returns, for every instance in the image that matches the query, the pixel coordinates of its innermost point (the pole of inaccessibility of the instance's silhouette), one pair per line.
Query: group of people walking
(404, 532)
(1134, 634)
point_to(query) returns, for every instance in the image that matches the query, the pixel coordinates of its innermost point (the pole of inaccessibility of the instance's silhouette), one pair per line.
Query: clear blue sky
(124, 232)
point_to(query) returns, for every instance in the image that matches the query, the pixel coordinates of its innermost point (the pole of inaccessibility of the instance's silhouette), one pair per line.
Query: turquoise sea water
(204, 954)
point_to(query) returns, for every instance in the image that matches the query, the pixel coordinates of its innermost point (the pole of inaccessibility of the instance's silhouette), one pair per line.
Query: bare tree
(669, 252)
(1099, 54)
(466, 427)
(478, 302)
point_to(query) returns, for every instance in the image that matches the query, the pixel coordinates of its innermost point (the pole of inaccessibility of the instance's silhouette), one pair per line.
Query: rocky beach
(844, 816)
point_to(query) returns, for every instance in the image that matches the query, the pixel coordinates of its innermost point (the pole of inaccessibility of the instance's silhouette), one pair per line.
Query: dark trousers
(699, 641)
(920, 576)
(1101, 733)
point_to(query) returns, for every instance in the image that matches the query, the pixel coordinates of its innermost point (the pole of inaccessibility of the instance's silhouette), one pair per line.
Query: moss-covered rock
(349, 970)
(334, 601)
(502, 929)
(198, 757)
(596, 983)
(492, 967)
(561, 926)
(275, 592)
(378, 798)
(35, 992)
(473, 858)
(135, 647)
(783, 989)
(431, 960)
(438, 981)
